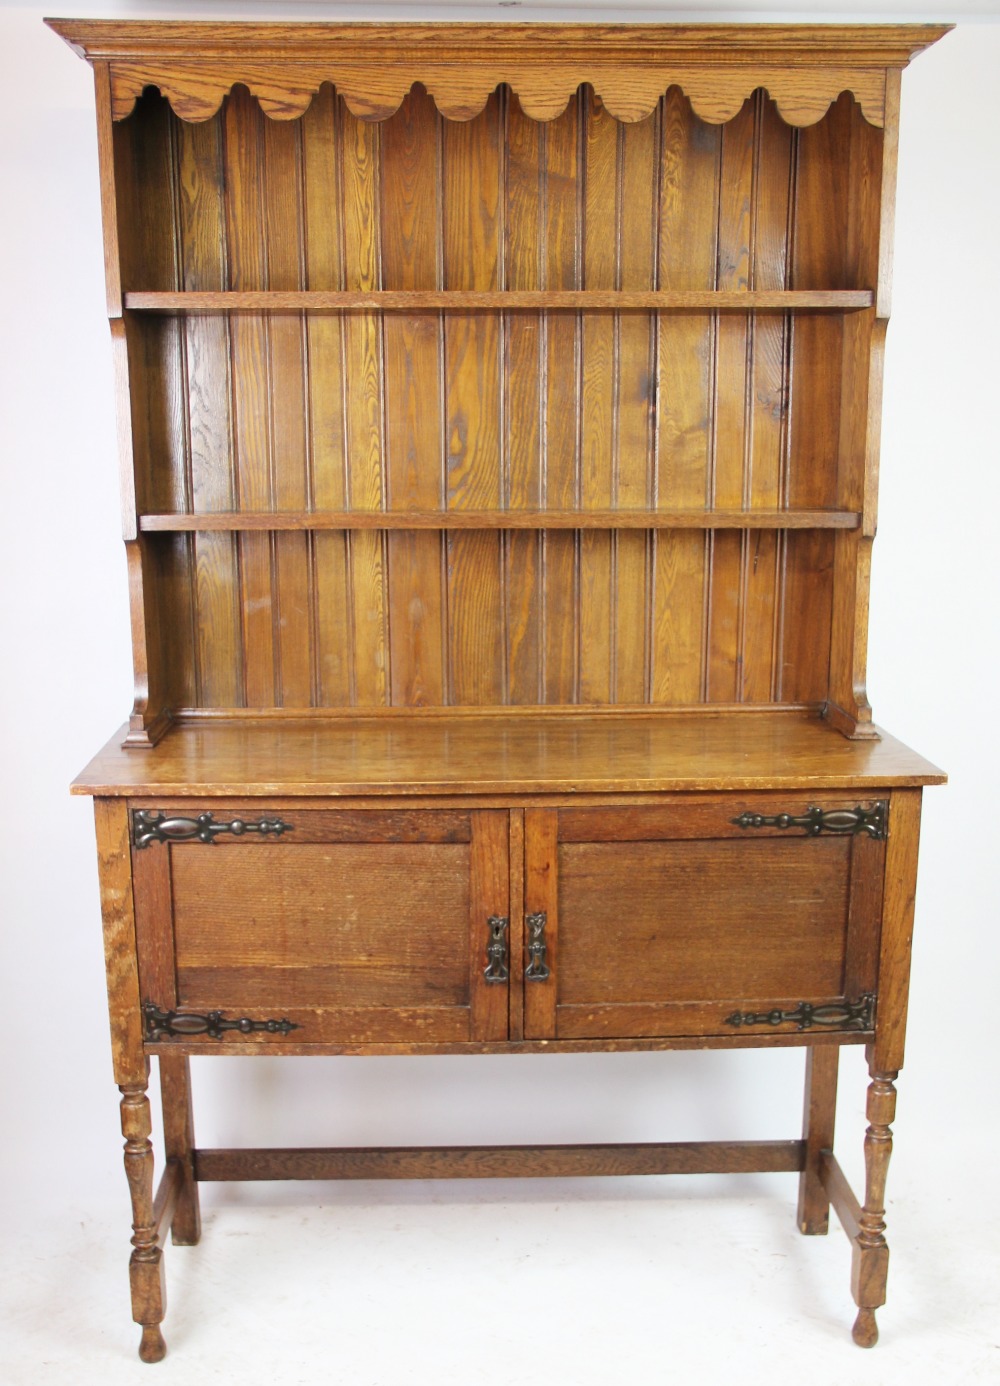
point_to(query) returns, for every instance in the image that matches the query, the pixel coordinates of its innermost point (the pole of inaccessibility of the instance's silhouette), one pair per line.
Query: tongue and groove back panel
(485, 411)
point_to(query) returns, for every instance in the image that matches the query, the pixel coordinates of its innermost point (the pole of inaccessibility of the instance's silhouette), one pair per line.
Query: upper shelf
(804, 68)
(498, 519)
(534, 300)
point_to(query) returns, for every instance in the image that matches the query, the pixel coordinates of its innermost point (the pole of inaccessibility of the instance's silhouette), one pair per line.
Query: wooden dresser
(499, 428)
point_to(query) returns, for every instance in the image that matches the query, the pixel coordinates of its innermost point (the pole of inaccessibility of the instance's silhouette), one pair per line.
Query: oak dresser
(499, 431)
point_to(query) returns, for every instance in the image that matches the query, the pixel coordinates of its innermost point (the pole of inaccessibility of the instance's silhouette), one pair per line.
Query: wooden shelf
(500, 519)
(509, 751)
(533, 300)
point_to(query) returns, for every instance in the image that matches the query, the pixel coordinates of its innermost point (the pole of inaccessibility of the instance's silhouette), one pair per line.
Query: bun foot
(865, 1330)
(152, 1348)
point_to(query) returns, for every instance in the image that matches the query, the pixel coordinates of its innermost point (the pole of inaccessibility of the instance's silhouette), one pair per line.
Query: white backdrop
(66, 675)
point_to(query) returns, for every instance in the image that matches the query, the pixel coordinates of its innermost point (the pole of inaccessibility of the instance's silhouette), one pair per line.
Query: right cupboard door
(703, 917)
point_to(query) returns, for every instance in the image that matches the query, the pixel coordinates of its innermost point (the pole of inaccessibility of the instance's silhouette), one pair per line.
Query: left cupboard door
(356, 927)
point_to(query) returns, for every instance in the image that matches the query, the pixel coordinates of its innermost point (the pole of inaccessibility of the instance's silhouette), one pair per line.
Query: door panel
(356, 927)
(674, 920)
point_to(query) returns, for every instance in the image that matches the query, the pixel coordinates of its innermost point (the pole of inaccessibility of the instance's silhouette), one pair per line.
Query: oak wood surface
(469, 753)
(178, 1143)
(840, 1194)
(504, 1161)
(400, 1037)
(551, 392)
(818, 1122)
(454, 300)
(118, 915)
(351, 930)
(498, 412)
(896, 937)
(707, 519)
(804, 67)
(870, 1262)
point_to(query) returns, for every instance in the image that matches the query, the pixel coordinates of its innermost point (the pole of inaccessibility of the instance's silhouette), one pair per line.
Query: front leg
(871, 1251)
(146, 1277)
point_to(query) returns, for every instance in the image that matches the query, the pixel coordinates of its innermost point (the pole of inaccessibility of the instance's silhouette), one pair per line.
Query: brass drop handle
(537, 969)
(496, 949)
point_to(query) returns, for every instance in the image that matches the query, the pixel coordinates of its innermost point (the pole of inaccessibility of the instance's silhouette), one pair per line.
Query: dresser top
(194, 64)
(458, 752)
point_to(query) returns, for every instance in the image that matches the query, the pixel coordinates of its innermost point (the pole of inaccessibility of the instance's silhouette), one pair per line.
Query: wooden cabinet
(499, 426)
(346, 928)
(677, 920)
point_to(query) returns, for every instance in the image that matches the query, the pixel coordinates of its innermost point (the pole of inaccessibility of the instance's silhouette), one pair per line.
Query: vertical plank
(471, 260)
(637, 222)
(598, 421)
(864, 916)
(820, 239)
(156, 420)
(359, 145)
(154, 926)
(284, 234)
(117, 913)
(732, 404)
(818, 1122)
(517, 940)
(561, 401)
(145, 193)
(541, 895)
(325, 403)
(872, 151)
(769, 411)
(522, 403)
(689, 201)
(218, 652)
(886, 1053)
(170, 620)
(414, 463)
(178, 1143)
(489, 896)
(243, 124)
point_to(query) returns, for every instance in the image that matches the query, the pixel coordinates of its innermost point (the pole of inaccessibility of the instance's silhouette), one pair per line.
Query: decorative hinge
(841, 1015)
(537, 969)
(872, 821)
(496, 950)
(186, 1023)
(149, 826)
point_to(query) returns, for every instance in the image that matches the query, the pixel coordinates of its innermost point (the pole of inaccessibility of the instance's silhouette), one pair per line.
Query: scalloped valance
(804, 69)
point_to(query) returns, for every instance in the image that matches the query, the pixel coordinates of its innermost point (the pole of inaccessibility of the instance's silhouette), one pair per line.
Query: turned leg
(871, 1252)
(146, 1263)
(178, 1139)
(818, 1118)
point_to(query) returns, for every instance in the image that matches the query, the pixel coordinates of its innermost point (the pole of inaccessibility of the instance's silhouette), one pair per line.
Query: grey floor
(694, 1280)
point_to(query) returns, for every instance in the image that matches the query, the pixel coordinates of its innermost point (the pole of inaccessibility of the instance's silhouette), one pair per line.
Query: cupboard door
(678, 921)
(355, 927)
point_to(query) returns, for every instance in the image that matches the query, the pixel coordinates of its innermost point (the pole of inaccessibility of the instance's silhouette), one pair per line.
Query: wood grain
(178, 1141)
(818, 1122)
(501, 1162)
(687, 259)
(499, 414)
(413, 365)
(704, 519)
(803, 67)
(441, 753)
(117, 912)
(896, 939)
(513, 300)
